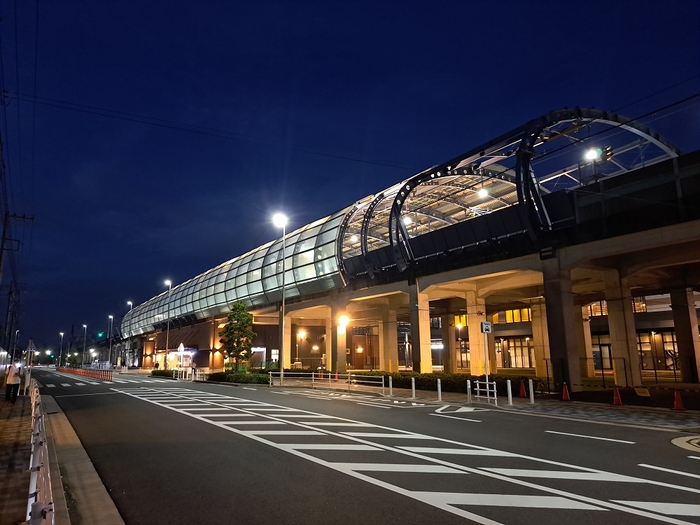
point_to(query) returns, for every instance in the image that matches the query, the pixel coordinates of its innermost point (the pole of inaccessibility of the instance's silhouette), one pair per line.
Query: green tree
(236, 336)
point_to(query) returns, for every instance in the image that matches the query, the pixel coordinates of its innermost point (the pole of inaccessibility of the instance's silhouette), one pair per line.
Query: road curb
(92, 501)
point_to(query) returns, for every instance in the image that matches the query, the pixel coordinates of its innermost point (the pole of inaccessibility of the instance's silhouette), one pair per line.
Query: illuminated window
(639, 305)
(598, 308)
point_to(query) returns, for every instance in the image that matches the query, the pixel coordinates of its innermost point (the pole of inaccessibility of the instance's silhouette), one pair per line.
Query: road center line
(590, 437)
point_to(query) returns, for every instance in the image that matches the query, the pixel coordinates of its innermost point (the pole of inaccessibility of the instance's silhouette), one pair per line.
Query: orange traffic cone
(565, 393)
(617, 400)
(677, 401)
(523, 393)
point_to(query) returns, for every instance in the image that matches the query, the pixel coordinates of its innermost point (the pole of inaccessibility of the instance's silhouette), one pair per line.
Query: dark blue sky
(223, 112)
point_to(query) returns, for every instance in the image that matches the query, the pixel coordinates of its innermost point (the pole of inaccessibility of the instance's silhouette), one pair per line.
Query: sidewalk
(15, 448)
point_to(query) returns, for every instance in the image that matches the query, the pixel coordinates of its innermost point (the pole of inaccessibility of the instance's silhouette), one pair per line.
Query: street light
(111, 323)
(280, 221)
(84, 342)
(60, 351)
(128, 340)
(169, 284)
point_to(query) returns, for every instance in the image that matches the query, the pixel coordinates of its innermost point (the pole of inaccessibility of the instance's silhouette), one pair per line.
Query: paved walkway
(15, 448)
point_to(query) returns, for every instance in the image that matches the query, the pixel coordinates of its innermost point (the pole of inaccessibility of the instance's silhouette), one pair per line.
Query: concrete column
(419, 306)
(564, 366)
(685, 321)
(540, 336)
(449, 343)
(584, 342)
(623, 335)
(288, 339)
(338, 339)
(476, 313)
(388, 342)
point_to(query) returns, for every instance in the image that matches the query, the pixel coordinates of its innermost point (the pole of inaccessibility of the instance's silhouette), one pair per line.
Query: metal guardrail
(486, 390)
(40, 502)
(321, 379)
(105, 375)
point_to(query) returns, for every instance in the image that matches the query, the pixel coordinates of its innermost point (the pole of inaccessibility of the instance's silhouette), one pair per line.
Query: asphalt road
(189, 453)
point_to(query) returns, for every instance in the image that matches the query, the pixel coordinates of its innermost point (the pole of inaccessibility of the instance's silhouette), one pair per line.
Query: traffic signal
(606, 153)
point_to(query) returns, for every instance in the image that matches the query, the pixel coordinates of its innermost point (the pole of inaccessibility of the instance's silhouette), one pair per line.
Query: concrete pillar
(685, 321)
(584, 342)
(388, 342)
(476, 314)
(623, 335)
(419, 306)
(338, 339)
(449, 343)
(559, 302)
(540, 336)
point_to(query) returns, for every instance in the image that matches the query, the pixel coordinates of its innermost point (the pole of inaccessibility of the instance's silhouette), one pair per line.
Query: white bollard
(439, 390)
(469, 391)
(510, 392)
(391, 387)
(532, 392)
(413, 388)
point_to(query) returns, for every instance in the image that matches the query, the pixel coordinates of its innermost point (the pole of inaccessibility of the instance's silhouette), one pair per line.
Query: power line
(191, 128)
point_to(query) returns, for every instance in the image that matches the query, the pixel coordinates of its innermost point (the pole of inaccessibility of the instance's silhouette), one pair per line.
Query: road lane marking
(395, 467)
(50, 385)
(329, 446)
(360, 438)
(336, 424)
(562, 474)
(505, 500)
(65, 384)
(590, 437)
(373, 405)
(306, 416)
(256, 422)
(283, 433)
(694, 457)
(385, 435)
(460, 452)
(675, 509)
(459, 418)
(680, 473)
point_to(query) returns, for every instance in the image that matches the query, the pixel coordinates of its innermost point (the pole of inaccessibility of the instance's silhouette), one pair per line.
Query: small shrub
(162, 373)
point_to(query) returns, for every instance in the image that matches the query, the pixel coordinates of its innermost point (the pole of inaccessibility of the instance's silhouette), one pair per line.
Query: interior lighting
(353, 238)
(343, 320)
(482, 193)
(407, 220)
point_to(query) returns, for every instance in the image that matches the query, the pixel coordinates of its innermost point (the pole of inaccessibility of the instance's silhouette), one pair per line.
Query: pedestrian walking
(13, 379)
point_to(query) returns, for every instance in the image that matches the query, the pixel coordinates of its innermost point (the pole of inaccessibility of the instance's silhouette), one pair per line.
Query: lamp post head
(343, 320)
(111, 316)
(279, 220)
(168, 283)
(84, 326)
(60, 333)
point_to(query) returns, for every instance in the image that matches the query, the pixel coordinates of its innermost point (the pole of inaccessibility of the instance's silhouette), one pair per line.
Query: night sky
(153, 140)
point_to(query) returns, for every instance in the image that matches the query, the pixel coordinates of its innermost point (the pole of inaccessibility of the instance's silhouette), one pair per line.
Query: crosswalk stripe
(284, 433)
(256, 422)
(329, 446)
(385, 435)
(65, 384)
(459, 451)
(50, 385)
(335, 424)
(80, 384)
(674, 509)
(562, 474)
(395, 467)
(502, 500)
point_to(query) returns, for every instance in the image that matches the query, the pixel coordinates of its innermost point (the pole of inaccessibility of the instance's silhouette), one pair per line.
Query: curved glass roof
(545, 155)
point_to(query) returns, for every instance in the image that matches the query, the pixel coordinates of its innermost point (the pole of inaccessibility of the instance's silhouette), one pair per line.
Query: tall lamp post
(84, 343)
(128, 340)
(169, 284)
(60, 351)
(109, 334)
(280, 220)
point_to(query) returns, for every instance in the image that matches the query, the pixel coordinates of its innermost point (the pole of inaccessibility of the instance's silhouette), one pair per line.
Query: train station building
(568, 248)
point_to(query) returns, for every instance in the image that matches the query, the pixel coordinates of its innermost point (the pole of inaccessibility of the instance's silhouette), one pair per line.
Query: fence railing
(105, 375)
(333, 380)
(40, 501)
(486, 390)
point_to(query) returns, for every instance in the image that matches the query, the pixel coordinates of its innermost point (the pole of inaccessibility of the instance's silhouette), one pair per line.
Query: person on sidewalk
(13, 380)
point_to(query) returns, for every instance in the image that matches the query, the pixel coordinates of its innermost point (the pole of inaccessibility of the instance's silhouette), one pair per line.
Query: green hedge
(162, 373)
(454, 382)
(232, 377)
